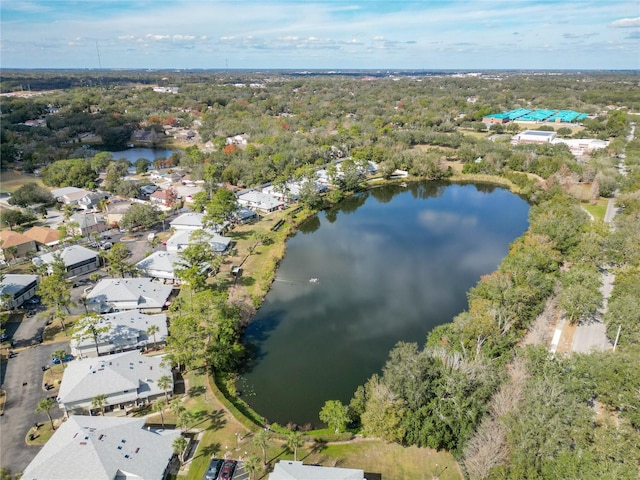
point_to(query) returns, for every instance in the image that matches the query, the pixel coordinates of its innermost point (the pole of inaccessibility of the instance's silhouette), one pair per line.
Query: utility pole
(615, 344)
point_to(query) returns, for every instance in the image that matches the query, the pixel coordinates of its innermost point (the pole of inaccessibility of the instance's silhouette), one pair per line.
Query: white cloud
(443, 222)
(626, 23)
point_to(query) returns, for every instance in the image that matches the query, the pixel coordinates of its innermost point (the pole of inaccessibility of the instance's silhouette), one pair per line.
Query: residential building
(126, 380)
(183, 238)
(259, 201)
(69, 195)
(116, 210)
(164, 198)
(188, 221)
(88, 223)
(128, 294)
(109, 448)
(43, 236)
(15, 289)
(245, 215)
(126, 330)
(290, 470)
(77, 259)
(91, 200)
(15, 245)
(159, 265)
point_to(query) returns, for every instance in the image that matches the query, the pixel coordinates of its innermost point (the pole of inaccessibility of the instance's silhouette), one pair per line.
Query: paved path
(22, 380)
(591, 334)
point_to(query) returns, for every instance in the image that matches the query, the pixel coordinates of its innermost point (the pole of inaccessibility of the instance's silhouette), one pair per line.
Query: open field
(11, 180)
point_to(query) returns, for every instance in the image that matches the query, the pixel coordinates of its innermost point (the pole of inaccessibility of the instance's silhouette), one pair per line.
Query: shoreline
(254, 301)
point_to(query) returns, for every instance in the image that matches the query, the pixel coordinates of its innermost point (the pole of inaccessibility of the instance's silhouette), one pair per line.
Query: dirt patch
(566, 339)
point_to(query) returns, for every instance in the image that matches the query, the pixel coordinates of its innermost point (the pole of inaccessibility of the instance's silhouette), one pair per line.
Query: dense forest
(483, 386)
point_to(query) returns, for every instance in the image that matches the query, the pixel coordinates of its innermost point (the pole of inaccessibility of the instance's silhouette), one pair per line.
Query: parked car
(31, 313)
(228, 467)
(214, 469)
(66, 358)
(106, 245)
(33, 301)
(4, 337)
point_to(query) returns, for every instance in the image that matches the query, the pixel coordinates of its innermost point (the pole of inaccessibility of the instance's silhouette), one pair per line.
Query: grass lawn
(11, 180)
(223, 435)
(41, 434)
(597, 209)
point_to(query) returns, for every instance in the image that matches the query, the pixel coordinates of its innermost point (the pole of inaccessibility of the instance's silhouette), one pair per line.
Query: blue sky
(324, 34)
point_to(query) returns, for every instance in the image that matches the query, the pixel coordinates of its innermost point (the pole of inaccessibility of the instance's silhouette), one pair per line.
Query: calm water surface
(391, 264)
(133, 154)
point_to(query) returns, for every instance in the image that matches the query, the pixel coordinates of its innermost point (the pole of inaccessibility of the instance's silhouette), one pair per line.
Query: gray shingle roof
(70, 255)
(130, 293)
(14, 283)
(100, 448)
(111, 375)
(127, 329)
(289, 470)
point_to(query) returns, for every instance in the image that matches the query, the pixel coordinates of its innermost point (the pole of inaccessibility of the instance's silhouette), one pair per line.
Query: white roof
(100, 448)
(86, 378)
(70, 255)
(182, 238)
(130, 293)
(61, 192)
(160, 262)
(260, 200)
(290, 470)
(126, 329)
(190, 220)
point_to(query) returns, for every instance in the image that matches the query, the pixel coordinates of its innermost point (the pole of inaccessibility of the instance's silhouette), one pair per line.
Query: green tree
(335, 415)
(44, 406)
(99, 402)
(142, 165)
(261, 440)
(251, 465)
(13, 218)
(180, 445)
(153, 330)
(219, 209)
(165, 384)
(139, 215)
(159, 407)
(580, 296)
(294, 442)
(116, 258)
(31, 194)
(90, 326)
(59, 355)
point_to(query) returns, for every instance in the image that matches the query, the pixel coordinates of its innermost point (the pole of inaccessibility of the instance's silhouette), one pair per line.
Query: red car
(228, 467)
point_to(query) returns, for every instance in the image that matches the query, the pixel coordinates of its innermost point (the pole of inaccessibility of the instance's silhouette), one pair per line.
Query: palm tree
(45, 405)
(152, 330)
(295, 441)
(180, 447)
(251, 465)
(99, 402)
(165, 383)
(261, 439)
(159, 407)
(60, 354)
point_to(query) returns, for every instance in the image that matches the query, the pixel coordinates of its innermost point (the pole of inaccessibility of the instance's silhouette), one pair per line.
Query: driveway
(22, 381)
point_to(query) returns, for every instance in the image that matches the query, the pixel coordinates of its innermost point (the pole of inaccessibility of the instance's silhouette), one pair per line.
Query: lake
(133, 154)
(383, 266)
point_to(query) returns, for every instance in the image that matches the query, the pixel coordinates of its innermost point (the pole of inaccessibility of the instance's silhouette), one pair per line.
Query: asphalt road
(22, 381)
(592, 335)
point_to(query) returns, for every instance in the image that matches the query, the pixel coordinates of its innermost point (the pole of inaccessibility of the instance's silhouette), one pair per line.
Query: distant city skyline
(321, 34)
